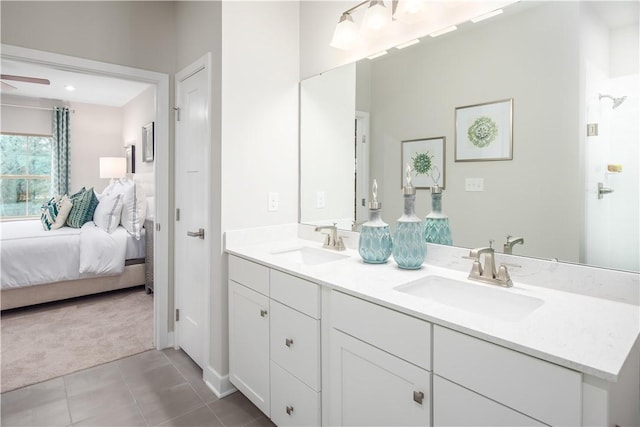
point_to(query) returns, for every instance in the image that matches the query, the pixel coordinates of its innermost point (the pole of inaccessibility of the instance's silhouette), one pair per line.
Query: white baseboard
(219, 384)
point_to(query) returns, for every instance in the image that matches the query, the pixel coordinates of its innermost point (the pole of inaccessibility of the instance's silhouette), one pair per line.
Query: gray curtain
(61, 151)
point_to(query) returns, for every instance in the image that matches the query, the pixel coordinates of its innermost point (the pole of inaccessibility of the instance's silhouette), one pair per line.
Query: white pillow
(134, 204)
(107, 213)
(134, 209)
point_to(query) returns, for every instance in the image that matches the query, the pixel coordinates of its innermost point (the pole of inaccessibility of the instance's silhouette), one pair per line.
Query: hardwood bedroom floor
(162, 388)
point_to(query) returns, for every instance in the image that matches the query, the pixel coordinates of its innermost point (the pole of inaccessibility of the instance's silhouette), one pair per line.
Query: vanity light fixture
(443, 31)
(345, 33)
(486, 16)
(377, 15)
(377, 55)
(408, 7)
(407, 44)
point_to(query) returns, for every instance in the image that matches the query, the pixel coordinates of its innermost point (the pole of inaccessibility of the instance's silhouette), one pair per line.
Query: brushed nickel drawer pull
(288, 342)
(418, 396)
(289, 409)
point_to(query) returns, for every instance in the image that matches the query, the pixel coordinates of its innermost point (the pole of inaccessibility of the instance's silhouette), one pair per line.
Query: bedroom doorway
(160, 81)
(192, 239)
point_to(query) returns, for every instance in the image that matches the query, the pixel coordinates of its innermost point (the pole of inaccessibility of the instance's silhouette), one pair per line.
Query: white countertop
(585, 333)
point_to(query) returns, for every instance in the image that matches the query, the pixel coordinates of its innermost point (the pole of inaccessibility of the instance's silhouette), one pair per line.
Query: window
(25, 174)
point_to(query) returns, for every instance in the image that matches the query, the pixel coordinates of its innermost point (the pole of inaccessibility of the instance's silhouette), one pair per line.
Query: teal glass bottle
(436, 224)
(409, 247)
(374, 244)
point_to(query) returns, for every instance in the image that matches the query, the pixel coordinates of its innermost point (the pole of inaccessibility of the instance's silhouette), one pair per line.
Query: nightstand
(149, 226)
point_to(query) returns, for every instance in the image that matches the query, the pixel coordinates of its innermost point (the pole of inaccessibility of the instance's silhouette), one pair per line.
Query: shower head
(616, 101)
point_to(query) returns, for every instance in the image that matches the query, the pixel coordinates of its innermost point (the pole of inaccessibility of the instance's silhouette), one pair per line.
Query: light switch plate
(273, 202)
(474, 184)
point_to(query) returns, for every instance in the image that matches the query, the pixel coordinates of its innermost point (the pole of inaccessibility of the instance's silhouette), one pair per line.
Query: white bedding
(31, 256)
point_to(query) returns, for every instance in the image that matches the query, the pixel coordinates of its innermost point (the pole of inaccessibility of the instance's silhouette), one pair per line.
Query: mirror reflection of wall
(553, 59)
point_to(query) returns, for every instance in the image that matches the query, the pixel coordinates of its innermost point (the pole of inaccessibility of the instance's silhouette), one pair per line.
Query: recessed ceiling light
(377, 55)
(407, 44)
(443, 31)
(486, 16)
(69, 88)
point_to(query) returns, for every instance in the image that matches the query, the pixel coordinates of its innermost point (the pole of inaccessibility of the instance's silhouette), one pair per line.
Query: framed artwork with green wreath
(484, 131)
(426, 158)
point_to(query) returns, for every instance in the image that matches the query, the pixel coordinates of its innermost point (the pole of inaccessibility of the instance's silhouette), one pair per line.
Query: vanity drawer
(295, 343)
(292, 402)
(249, 274)
(406, 337)
(457, 406)
(295, 292)
(539, 389)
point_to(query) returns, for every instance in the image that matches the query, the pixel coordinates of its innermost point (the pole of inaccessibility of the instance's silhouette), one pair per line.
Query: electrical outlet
(320, 200)
(273, 202)
(474, 184)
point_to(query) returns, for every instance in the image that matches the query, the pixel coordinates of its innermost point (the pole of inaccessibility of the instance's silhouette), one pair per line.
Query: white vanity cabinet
(274, 342)
(499, 386)
(379, 365)
(249, 317)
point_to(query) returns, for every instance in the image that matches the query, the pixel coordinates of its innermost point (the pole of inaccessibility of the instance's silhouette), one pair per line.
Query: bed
(38, 266)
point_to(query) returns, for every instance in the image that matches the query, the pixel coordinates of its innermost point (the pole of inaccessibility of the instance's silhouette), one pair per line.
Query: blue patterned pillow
(54, 213)
(84, 205)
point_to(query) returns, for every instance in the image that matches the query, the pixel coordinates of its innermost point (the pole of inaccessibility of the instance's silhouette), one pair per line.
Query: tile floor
(154, 388)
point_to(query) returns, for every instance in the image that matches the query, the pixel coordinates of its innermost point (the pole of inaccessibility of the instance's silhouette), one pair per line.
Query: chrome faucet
(508, 246)
(332, 241)
(488, 274)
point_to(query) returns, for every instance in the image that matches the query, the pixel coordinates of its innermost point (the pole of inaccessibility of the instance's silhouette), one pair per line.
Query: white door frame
(161, 237)
(204, 63)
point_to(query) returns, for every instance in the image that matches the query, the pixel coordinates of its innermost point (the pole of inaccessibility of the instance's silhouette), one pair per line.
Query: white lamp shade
(345, 34)
(377, 15)
(113, 167)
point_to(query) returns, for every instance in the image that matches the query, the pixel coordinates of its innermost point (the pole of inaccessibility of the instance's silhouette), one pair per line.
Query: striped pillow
(54, 213)
(84, 205)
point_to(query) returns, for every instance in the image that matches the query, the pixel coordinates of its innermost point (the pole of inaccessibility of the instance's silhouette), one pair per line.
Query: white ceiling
(89, 89)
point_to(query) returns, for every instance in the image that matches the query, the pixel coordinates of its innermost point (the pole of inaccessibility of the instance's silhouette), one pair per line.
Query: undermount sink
(498, 303)
(310, 256)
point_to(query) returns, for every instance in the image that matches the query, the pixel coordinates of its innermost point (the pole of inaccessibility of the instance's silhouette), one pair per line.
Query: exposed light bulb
(345, 34)
(443, 31)
(407, 44)
(377, 15)
(486, 16)
(377, 55)
(70, 88)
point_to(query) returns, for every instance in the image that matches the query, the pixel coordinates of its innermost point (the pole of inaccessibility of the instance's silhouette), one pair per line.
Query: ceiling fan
(7, 86)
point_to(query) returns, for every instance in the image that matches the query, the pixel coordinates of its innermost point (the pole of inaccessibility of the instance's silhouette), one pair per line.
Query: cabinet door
(370, 387)
(249, 344)
(457, 406)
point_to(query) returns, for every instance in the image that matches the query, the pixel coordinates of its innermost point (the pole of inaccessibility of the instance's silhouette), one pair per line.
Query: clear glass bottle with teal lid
(409, 246)
(374, 244)
(436, 224)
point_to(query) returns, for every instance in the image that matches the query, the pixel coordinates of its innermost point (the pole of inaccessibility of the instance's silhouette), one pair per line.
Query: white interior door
(192, 274)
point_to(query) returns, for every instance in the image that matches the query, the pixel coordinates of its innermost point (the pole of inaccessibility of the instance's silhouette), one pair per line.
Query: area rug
(56, 339)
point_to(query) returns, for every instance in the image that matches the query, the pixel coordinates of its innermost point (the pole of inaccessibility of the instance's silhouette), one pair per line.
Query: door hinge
(177, 214)
(177, 314)
(177, 110)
